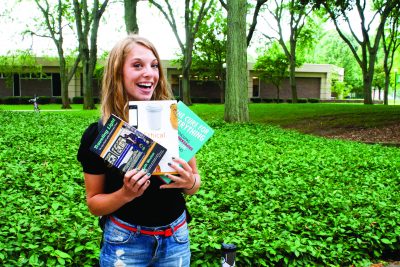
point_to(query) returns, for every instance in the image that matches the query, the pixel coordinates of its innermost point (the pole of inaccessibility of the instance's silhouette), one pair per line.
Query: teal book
(193, 132)
(174, 126)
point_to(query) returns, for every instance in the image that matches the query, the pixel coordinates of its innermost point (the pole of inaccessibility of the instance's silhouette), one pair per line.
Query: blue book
(126, 148)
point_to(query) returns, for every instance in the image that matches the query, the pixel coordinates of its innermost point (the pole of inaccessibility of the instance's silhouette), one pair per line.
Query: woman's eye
(154, 66)
(137, 65)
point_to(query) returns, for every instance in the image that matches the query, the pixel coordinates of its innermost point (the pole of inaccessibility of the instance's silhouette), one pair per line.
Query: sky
(152, 25)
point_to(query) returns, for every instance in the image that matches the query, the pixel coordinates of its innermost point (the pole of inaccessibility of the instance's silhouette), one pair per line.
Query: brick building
(313, 81)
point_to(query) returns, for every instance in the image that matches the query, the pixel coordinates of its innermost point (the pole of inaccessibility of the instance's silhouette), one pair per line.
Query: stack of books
(157, 131)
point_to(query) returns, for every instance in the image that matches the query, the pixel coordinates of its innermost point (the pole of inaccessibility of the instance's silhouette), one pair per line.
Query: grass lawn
(312, 117)
(307, 118)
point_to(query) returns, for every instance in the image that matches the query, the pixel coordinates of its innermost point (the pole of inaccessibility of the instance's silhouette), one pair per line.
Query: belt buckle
(168, 232)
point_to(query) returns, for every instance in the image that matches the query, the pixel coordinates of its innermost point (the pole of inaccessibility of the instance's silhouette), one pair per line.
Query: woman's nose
(148, 70)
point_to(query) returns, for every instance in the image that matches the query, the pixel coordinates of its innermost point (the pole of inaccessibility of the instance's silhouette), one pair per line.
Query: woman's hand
(135, 183)
(188, 178)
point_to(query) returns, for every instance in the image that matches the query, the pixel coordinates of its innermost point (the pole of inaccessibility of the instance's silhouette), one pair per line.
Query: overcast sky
(152, 25)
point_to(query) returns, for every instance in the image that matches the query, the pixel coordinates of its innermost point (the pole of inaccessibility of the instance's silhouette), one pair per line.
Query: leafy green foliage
(341, 89)
(45, 221)
(273, 66)
(20, 61)
(292, 199)
(331, 49)
(282, 197)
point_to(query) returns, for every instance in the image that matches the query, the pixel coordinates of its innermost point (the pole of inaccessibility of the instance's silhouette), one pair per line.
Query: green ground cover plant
(284, 198)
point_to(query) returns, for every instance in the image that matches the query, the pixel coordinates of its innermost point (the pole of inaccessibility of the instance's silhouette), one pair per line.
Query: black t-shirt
(156, 207)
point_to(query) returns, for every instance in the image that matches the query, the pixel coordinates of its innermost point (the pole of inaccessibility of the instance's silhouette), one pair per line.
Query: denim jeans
(122, 247)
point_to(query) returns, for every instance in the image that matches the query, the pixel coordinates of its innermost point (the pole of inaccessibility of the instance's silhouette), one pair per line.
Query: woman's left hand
(186, 178)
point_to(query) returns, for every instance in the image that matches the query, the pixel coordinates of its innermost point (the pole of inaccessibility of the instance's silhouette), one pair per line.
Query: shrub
(214, 100)
(199, 100)
(16, 100)
(267, 100)
(313, 100)
(255, 100)
(77, 100)
(284, 198)
(56, 100)
(43, 100)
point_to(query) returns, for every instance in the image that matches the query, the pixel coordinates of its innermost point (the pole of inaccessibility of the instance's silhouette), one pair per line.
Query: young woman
(146, 220)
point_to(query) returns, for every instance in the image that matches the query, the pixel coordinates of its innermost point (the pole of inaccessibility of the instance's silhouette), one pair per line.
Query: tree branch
(254, 22)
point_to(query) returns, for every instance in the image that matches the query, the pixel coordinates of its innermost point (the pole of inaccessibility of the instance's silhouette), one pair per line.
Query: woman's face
(140, 73)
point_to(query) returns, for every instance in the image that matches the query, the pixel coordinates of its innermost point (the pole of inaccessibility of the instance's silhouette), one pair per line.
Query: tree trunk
(236, 96)
(221, 86)
(64, 82)
(88, 102)
(367, 84)
(386, 90)
(187, 63)
(292, 73)
(186, 86)
(130, 16)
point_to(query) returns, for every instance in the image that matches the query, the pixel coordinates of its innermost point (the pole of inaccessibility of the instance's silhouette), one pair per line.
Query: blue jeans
(122, 247)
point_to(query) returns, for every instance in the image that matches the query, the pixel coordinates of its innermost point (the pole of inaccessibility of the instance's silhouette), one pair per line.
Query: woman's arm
(189, 178)
(100, 203)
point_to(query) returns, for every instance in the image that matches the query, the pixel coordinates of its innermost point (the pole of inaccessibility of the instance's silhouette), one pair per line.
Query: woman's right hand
(135, 183)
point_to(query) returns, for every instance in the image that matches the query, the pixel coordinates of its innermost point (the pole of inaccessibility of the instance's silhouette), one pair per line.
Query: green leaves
(284, 198)
(296, 200)
(43, 207)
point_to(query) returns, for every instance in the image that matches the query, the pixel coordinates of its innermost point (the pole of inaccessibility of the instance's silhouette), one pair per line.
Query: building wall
(4, 90)
(313, 81)
(306, 88)
(40, 87)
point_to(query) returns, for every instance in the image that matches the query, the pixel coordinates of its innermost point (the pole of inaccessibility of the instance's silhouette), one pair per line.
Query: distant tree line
(217, 34)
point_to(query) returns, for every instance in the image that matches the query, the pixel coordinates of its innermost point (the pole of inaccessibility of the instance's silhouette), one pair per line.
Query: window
(256, 87)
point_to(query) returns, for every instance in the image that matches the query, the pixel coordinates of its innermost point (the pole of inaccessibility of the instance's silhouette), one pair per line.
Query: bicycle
(34, 100)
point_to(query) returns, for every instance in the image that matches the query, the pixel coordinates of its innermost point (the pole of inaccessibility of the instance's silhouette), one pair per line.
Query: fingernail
(169, 164)
(173, 158)
(144, 170)
(148, 174)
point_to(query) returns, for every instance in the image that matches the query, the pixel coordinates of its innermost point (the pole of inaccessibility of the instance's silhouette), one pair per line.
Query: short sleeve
(91, 163)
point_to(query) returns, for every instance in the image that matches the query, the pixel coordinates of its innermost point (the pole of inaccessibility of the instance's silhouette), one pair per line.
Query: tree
(18, 62)
(195, 12)
(331, 49)
(257, 9)
(54, 19)
(368, 42)
(236, 91)
(209, 54)
(236, 95)
(87, 24)
(273, 66)
(340, 88)
(378, 82)
(130, 17)
(297, 14)
(390, 42)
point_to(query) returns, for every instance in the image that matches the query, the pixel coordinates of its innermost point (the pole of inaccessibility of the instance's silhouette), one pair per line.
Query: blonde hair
(114, 99)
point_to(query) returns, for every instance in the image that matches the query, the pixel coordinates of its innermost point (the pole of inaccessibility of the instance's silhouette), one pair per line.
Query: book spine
(110, 129)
